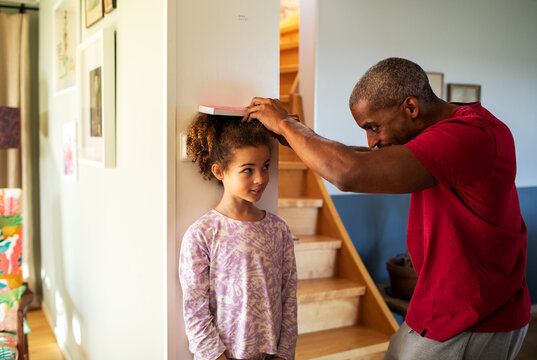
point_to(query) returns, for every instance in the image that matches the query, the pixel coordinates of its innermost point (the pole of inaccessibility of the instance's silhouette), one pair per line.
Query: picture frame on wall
(464, 93)
(65, 39)
(94, 11)
(436, 80)
(96, 100)
(70, 157)
(109, 5)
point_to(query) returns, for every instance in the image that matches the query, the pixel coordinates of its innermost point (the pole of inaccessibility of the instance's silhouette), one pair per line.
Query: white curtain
(18, 168)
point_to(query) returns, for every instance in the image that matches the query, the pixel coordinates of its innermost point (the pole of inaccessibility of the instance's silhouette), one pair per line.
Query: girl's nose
(259, 178)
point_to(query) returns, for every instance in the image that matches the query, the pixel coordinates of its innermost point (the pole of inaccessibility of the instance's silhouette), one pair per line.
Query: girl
(237, 265)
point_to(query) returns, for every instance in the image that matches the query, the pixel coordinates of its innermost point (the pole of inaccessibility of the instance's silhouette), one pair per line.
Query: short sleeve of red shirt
(455, 152)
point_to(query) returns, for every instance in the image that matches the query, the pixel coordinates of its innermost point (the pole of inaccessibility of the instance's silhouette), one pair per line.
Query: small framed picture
(94, 11)
(109, 5)
(69, 151)
(464, 93)
(96, 100)
(436, 80)
(65, 38)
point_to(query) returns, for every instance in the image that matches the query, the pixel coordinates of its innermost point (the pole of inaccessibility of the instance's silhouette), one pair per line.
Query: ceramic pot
(403, 279)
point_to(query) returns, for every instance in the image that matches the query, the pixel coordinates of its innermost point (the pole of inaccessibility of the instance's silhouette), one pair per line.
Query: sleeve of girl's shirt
(455, 152)
(203, 337)
(289, 329)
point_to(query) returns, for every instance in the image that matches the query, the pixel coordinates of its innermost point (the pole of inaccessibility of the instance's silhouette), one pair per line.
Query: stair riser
(302, 221)
(289, 56)
(328, 314)
(315, 264)
(291, 183)
(286, 82)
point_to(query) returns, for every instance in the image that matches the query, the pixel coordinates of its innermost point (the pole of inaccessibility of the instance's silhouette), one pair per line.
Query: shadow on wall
(377, 225)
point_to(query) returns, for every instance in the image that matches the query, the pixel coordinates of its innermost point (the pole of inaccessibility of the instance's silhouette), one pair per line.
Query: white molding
(171, 304)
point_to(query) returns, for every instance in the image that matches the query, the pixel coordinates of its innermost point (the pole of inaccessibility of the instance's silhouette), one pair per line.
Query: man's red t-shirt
(466, 236)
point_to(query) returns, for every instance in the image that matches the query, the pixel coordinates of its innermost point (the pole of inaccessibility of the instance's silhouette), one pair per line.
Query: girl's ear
(217, 171)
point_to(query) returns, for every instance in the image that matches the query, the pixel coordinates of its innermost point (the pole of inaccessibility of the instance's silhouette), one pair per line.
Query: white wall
(486, 42)
(103, 239)
(227, 53)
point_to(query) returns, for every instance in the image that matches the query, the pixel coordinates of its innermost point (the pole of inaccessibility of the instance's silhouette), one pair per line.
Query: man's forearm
(392, 169)
(330, 159)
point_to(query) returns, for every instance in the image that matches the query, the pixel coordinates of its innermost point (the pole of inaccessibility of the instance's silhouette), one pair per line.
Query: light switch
(182, 147)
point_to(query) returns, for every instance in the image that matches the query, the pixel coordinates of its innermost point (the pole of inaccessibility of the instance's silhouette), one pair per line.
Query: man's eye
(266, 167)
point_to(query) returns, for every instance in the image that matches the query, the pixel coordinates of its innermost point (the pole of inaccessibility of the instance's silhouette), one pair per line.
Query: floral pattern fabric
(10, 239)
(239, 287)
(10, 128)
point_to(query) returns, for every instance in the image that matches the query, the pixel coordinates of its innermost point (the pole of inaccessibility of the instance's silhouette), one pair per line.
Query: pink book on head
(222, 110)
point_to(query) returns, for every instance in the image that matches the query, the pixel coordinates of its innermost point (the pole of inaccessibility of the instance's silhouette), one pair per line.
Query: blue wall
(377, 226)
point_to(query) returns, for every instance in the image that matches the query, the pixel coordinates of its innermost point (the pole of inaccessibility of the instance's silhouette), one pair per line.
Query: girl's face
(247, 175)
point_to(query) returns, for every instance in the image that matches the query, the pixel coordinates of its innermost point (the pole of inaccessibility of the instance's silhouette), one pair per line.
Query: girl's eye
(247, 170)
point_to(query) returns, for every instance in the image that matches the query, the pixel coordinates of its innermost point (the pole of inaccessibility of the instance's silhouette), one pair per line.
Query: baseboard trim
(52, 326)
(534, 309)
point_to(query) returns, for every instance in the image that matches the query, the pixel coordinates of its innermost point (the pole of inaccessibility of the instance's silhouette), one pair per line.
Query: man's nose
(372, 141)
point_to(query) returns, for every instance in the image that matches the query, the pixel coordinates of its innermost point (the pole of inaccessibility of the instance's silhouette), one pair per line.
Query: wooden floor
(43, 343)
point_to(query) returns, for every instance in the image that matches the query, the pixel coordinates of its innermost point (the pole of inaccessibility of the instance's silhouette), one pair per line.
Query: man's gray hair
(389, 82)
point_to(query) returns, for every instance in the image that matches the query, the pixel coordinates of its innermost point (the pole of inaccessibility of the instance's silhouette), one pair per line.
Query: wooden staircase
(341, 314)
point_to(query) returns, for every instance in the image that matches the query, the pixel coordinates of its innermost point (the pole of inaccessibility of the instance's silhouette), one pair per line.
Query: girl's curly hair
(211, 139)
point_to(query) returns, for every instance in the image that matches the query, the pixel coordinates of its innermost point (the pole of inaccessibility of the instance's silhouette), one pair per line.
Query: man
(466, 236)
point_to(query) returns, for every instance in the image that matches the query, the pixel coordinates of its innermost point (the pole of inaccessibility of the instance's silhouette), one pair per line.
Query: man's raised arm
(392, 169)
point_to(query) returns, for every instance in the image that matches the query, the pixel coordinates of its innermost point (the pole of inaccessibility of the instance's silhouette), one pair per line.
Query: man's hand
(270, 112)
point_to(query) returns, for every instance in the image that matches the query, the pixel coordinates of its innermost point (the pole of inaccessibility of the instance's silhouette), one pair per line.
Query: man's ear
(217, 171)
(411, 107)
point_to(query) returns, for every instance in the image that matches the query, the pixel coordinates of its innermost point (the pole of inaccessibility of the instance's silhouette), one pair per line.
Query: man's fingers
(253, 107)
(250, 112)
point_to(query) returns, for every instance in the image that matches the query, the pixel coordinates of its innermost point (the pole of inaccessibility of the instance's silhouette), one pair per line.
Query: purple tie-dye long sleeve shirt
(239, 287)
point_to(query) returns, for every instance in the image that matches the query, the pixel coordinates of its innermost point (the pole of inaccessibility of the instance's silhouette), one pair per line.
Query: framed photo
(70, 158)
(94, 11)
(464, 93)
(436, 80)
(96, 99)
(109, 5)
(65, 34)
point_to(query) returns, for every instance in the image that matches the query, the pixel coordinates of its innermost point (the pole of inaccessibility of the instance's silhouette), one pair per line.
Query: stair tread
(292, 165)
(284, 98)
(290, 202)
(288, 45)
(288, 28)
(310, 290)
(341, 343)
(284, 69)
(316, 242)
